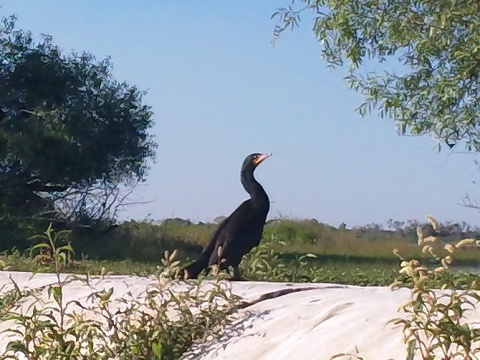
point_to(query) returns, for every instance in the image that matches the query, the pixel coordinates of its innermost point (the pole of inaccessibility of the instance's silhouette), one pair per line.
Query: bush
(138, 241)
(157, 324)
(436, 323)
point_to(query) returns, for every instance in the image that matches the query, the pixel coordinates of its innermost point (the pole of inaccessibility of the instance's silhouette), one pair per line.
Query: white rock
(317, 323)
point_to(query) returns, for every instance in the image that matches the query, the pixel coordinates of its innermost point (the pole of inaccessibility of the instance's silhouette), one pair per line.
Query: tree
(434, 45)
(70, 135)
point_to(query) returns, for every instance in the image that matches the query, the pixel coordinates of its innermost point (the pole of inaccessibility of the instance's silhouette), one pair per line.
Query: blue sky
(220, 91)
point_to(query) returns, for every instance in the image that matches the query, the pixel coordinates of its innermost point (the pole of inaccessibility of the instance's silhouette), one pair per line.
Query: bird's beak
(262, 157)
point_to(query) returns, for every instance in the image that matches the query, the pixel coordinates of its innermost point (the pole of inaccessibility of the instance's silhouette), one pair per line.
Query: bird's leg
(207, 270)
(236, 274)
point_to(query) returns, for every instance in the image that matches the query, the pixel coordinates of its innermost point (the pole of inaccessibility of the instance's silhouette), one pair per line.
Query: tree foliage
(68, 129)
(433, 47)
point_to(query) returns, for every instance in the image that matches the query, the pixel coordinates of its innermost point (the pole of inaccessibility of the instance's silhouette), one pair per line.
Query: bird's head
(253, 160)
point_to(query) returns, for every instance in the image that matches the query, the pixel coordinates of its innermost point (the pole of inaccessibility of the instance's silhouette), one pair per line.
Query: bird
(241, 231)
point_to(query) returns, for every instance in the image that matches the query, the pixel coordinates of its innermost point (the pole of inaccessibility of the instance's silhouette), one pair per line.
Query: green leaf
(411, 349)
(157, 349)
(40, 246)
(56, 292)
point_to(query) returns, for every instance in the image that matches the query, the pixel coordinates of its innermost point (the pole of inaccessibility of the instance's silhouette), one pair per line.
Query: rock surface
(317, 322)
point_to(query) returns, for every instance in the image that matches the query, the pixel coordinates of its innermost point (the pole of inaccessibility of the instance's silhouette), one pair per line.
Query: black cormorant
(241, 231)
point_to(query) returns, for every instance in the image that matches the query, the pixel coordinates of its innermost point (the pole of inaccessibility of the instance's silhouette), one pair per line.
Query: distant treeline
(448, 230)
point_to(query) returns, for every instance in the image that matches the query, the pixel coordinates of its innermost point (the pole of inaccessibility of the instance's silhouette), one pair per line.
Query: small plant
(45, 329)
(164, 321)
(435, 324)
(159, 323)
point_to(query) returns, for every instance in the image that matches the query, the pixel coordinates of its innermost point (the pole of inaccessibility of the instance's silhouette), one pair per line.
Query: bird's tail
(194, 269)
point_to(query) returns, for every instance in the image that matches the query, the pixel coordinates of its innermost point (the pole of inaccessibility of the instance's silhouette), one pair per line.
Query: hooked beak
(262, 157)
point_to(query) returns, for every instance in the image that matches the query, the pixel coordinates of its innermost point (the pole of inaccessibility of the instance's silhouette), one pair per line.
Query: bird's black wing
(238, 236)
(195, 268)
(234, 237)
(212, 244)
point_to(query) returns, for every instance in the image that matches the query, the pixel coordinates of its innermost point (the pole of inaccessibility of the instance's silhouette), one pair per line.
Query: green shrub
(160, 323)
(436, 323)
(138, 241)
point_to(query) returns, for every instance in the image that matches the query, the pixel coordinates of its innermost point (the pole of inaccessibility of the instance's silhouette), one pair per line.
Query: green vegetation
(291, 250)
(435, 323)
(417, 62)
(74, 141)
(157, 324)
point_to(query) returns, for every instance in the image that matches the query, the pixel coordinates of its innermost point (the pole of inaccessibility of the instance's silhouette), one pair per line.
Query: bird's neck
(253, 187)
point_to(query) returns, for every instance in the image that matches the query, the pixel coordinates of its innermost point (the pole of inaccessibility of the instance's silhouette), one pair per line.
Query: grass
(291, 251)
(317, 270)
(18, 262)
(262, 264)
(336, 255)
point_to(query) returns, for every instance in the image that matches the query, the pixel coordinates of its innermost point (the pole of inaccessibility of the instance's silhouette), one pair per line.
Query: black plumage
(241, 231)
